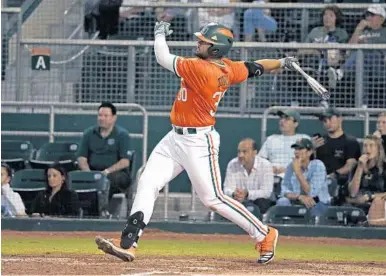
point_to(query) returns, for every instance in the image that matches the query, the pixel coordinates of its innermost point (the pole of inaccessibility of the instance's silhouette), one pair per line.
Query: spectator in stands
(225, 16)
(305, 180)
(106, 148)
(338, 151)
(102, 15)
(137, 22)
(370, 30)
(277, 148)
(260, 20)
(329, 32)
(249, 178)
(56, 199)
(91, 16)
(11, 202)
(177, 19)
(108, 17)
(381, 129)
(368, 180)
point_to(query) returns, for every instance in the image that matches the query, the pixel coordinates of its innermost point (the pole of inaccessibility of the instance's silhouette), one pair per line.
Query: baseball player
(193, 143)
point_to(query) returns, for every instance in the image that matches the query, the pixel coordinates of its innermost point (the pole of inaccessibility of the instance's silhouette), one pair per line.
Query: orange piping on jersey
(269, 64)
(233, 203)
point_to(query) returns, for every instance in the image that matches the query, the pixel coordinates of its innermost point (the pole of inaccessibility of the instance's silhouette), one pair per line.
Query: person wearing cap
(370, 30)
(277, 148)
(305, 181)
(338, 151)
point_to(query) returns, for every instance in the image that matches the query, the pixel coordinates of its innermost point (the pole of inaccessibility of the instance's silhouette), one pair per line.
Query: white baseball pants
(198, 155)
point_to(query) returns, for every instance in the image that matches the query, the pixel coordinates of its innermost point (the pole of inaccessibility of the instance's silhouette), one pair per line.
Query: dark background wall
(232, 130)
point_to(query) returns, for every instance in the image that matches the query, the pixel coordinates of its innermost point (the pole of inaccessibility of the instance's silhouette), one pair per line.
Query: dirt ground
(71, 264)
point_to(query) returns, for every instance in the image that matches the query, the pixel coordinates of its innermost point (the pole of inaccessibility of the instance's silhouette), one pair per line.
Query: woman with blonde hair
(367, 186)
(381, 128)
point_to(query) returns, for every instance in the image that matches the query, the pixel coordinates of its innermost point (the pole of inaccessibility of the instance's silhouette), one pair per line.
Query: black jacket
(64, 203)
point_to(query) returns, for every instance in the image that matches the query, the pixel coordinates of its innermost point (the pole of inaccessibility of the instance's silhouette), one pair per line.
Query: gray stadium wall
(232, 130)
(195, 227)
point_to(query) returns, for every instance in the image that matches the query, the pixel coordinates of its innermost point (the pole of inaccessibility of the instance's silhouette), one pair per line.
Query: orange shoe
(112, 247)
(266, 248)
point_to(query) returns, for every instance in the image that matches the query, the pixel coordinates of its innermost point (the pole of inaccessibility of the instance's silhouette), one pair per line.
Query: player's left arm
(268, 65)
(161, 49)
(249, 69)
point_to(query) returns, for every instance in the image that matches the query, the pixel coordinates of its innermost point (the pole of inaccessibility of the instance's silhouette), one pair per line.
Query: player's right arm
(161, 49)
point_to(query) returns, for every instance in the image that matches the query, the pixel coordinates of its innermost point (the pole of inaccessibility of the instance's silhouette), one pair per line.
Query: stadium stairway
(46, 21)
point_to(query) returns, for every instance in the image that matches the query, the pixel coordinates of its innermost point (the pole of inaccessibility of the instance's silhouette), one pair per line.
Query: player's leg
(204, 173)
(159, 170)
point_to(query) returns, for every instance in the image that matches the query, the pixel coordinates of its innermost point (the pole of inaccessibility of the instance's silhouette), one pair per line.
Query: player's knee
(211, 202)
(133, 230)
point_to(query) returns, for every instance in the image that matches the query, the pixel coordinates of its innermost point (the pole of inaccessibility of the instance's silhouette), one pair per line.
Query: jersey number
(182, 95)
(219, 96)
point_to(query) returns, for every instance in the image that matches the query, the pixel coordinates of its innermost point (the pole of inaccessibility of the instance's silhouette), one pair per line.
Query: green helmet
(219, 36)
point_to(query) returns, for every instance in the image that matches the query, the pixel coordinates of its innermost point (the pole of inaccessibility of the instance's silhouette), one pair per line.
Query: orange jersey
(203, 85)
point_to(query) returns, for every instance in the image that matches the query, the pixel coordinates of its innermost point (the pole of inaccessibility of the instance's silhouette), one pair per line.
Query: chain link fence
(105, 71)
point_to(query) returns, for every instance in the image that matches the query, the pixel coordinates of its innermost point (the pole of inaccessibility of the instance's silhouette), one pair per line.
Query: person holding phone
(305, 180)
(337, 150)
(368, 178)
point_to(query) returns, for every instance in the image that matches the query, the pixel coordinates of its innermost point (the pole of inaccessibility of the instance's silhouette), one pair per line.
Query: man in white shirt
(277, 148)
(11, 203)
(249, 178)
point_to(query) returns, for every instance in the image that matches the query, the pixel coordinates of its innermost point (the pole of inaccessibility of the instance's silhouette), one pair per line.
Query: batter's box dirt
(106, 265)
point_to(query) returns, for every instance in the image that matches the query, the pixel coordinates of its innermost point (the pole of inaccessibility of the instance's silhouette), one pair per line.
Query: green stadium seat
(92, 188)
(342, 215)
(288, 215)
(16, 153)
(120, 204)
(57, 152)
(28, 183)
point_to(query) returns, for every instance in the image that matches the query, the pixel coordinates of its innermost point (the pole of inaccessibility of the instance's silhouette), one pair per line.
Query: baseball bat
(314, 84)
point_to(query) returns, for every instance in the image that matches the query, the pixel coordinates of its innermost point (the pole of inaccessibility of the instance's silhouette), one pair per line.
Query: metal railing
(71, 108)
(66, 13)
(11, 53)
(364, 111)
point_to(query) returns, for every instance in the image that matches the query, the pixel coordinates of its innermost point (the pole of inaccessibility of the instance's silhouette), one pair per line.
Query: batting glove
(162, 28)
(287, 62)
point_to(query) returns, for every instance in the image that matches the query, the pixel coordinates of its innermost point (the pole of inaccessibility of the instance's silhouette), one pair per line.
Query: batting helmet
(219, 36)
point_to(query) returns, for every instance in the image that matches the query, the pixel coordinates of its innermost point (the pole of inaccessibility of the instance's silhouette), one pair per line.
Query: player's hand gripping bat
(316, 86)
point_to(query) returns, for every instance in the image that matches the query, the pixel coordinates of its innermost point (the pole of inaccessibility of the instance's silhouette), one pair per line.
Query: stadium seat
(277, 180)
(92, 188)
(342, 215)
(63, 153)
(288, 215)
(28, 183)
(120, 204)
(16, 153)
